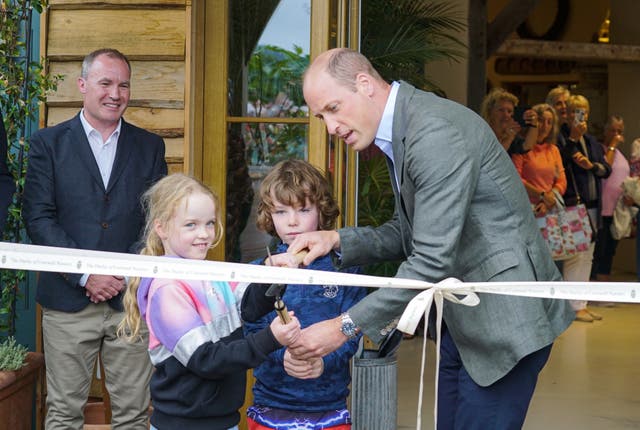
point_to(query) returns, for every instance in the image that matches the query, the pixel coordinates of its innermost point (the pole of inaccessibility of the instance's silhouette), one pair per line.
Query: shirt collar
(89, 129)
(385, 128)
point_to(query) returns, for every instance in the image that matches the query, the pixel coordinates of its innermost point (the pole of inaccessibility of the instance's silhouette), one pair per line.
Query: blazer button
(104, 225)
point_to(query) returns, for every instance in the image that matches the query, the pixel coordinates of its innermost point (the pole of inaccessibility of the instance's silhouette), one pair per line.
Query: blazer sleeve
(443, 182)
(340, 357)
(39, 208)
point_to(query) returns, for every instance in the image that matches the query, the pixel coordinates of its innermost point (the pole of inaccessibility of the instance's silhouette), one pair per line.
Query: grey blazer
(461, 211)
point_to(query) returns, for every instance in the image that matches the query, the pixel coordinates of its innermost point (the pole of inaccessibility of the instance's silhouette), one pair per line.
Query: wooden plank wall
(153, 34)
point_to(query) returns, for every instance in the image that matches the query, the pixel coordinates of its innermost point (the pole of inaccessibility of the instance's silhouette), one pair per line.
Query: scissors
(275, 290)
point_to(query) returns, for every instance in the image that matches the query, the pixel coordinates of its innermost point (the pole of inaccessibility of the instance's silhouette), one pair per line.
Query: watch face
(348, 328)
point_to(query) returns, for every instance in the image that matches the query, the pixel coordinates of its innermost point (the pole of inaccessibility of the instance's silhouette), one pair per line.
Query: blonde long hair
(160, 203)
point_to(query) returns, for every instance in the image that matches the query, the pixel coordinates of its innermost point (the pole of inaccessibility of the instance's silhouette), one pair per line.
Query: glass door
(268, 120)
(254, 53)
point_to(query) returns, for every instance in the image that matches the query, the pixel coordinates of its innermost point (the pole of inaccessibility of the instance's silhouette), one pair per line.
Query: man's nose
(332, 126)
(114, 92)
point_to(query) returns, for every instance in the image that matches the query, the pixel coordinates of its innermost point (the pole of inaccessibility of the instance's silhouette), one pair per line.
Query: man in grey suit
(82, 190)
(461, 211)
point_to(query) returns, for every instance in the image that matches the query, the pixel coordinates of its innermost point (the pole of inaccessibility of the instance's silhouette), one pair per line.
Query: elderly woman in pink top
(541, 168)
(611, 191)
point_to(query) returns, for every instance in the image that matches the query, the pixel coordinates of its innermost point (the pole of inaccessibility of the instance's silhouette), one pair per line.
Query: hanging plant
(24, 84)
(400, 37)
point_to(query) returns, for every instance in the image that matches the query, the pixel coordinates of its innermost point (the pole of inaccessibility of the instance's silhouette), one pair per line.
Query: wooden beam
(476, 67)
(507, 21)
(579, 51)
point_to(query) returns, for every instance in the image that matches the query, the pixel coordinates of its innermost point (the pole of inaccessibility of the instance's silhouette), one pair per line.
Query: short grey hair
(109, 52)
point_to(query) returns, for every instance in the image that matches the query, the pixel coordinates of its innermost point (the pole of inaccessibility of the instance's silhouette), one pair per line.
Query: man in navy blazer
(82, 190)
(460, 211)
(7, 184)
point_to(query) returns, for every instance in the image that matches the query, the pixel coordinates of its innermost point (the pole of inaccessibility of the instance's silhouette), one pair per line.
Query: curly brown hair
(292, 182)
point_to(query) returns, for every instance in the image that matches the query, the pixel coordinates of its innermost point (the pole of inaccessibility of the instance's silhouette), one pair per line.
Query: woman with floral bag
(584, 162)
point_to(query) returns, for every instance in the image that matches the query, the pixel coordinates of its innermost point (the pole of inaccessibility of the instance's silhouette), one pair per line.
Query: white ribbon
(68, 260)
(420, 306)
(451, 288)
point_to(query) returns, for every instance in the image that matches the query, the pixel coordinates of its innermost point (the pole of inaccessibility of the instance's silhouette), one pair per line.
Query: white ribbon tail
(450, 289)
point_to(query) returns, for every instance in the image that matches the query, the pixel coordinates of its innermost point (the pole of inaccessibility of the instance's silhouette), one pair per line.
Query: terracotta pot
(17, 391)
(95, 417)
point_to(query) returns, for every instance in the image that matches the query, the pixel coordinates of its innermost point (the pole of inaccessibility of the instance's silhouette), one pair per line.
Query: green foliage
(24, 84)
(12, 355)
(275, 90)
(401, 36)
(375, 202)
(274, 70)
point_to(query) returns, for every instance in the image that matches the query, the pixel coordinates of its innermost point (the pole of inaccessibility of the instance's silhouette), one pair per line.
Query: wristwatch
(348, 327)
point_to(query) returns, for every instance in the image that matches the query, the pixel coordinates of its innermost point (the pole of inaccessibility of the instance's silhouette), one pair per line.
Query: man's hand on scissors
(282, 260)
(318, 243)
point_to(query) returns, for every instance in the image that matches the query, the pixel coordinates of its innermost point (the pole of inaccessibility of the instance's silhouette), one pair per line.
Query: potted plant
(18, 375)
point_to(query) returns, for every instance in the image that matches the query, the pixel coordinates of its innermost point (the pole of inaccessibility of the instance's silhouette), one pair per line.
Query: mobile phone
(518, 115)
(579, 115)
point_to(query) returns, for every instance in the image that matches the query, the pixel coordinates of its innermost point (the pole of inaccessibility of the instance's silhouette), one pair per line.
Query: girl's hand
(288, 333)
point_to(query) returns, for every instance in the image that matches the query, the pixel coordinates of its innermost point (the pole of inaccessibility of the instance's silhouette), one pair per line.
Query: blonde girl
(195, 336)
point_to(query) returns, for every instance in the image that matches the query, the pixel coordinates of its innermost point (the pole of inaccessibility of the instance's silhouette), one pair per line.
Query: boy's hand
(288, 333)
(303, 369)
(318, 243)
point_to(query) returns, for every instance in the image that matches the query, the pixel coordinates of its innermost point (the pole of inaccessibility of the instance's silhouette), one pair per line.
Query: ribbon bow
(449, 289)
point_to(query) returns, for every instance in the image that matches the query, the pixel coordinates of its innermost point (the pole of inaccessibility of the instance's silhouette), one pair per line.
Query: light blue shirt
(104, 153)
(385, 128)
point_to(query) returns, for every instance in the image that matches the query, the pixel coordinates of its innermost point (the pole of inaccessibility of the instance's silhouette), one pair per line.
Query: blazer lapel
(399, 127)
(84, 152)
(404, 196)
(123, 155)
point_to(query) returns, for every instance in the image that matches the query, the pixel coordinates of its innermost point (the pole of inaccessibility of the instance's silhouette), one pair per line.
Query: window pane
(266, 144)
(268, 52)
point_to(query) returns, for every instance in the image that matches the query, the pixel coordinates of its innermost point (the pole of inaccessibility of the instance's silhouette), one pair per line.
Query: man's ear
(364, 83)
(82, 85)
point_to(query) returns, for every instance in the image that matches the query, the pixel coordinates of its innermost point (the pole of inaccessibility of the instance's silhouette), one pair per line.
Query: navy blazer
(596, 155)
(7, 184)
(67, 205)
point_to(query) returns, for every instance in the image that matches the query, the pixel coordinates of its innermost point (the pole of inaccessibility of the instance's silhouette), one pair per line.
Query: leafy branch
(24, 84)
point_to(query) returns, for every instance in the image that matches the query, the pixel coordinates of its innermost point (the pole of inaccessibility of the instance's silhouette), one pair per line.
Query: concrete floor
(592, 379)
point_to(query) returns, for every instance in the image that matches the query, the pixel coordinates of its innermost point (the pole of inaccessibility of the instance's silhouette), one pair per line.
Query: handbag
(566, 230)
